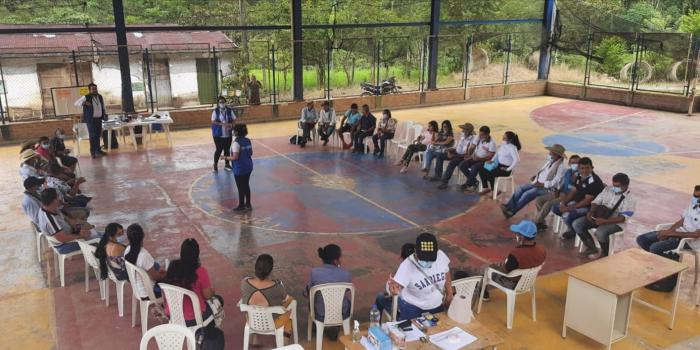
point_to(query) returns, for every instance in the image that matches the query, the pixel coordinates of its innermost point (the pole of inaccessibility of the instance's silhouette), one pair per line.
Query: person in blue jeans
(577, 203)
(546, 180)
(688, 226)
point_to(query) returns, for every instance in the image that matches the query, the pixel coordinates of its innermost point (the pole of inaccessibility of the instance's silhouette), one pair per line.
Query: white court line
(345, 188)
(606, 121)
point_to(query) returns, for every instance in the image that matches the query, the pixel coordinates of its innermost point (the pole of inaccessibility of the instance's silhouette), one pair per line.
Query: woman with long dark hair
(420, 144)
(136, 254)
(502, 163)
(187, 272)
(110, 252)
(445, 139)
(242, 157)
(222, 119)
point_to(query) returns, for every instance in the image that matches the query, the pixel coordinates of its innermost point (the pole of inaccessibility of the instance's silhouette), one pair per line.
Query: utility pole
(244, 33)
(123, 50)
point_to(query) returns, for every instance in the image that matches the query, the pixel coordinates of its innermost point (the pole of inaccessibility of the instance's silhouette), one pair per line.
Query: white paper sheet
(364, 341)
(443, 341)
(412, 335)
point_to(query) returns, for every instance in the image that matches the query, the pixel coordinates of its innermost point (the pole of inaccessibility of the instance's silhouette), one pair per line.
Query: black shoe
(248, 207)
(325, 142)
(487, 296)
(567, 235)
(506, 212)
(216, 167)
(442, 186)
(302, 145)
(93, 156)
(227, 167)
(380, 155)
(463, 187)
(239, 208)
(541, 226)
(101, 153)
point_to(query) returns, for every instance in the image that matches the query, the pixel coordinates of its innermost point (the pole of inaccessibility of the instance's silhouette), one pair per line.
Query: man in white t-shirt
(484, 149)
(422, 279)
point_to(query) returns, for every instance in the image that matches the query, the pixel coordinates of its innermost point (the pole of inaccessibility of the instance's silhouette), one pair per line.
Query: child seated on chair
(526, 254)
(263, 291)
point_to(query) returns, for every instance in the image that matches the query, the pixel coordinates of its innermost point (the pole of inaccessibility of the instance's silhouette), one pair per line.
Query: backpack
(669, 283)
(115, 142)
(294, 140)
(211, 338)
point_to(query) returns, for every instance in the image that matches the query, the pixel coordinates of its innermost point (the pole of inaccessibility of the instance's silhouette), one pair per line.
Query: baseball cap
(426, 247)
(525, 228)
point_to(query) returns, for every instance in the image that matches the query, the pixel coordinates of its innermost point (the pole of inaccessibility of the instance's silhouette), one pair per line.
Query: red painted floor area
(152, 188)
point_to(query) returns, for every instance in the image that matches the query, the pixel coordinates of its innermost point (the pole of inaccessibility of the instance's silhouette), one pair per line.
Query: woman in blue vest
(222, 119)
(242, 157)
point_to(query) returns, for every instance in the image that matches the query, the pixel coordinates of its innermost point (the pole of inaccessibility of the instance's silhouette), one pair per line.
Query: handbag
(217, 309)
(490, 166)
(603, 212)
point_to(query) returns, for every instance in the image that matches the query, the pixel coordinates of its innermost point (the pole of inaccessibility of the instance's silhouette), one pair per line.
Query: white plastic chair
(333, 295)
(169, 337)
(400, 134)
(410, 137)
(135, 273)
(524, 285)
(682, 250)
(466, 286)
(91, 262)
(611, 240)
(290, 347)
(175, 297)
(40, 237)
(60, 259)
(261, 320)
(313, 132)
(80, 133)
(501, 181)
(119, 286)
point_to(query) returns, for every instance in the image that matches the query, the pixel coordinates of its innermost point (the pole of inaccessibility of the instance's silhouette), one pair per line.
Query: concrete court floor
(155, 187)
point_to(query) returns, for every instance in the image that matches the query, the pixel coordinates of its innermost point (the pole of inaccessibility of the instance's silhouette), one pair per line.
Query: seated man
(456, 156)
(484, 149)
(365, 128)
(307, 122)
(546, 180)
(62, 229)
(609, 209)
(545, 202)
(348, 124)
(688, 226)
(31, 164)
(527, 254)
(69, 194)
(577, 203)
(422, 279)
(385, 131)
(326, 122)
(31, 201)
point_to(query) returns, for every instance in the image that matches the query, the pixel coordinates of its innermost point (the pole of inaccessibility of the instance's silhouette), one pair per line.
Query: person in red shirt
(526, 254)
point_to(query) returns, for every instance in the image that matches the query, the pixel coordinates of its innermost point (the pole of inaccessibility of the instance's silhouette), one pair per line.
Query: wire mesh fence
(177, 70)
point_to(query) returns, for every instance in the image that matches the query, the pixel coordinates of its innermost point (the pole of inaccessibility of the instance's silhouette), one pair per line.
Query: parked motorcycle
(388, 87)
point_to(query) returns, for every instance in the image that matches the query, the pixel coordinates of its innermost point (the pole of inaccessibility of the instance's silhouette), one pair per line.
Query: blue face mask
(616, 189)
(425, 264)
(574, 167)
(122, 239)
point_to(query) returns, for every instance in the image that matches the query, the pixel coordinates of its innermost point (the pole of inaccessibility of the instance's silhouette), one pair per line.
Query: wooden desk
(599, 294)
(485, 337)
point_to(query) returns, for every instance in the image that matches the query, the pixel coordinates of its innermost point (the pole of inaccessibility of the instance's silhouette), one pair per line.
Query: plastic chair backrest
(81, 131)
(466, 286)
(333, 295)
(410, 135)
(89, 254)
(175, 298)
(527, 278)
(52, 240)
(136, 275)
(417, 130)
(169, 337)
(261, 318)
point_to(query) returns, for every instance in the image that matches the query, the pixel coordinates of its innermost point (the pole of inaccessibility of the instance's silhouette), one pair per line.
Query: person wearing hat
(32, 165)
(526, 254)
(545, 202)
(544, 181)
(31, 201)
(329, 272)
(456, 155)
(422, 279)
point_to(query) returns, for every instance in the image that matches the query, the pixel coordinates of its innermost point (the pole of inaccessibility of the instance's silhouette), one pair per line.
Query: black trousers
(95, 131)
(222, 144)
(488, 178)
(243, 185)
(411, 149)
(380, 142)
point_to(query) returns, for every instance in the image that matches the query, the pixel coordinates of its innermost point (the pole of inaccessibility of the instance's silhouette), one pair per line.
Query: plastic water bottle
(356, 336)
(374, 316)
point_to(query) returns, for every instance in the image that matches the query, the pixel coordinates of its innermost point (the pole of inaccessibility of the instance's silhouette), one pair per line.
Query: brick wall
(442, 96)
(652, 100)
(401, 100)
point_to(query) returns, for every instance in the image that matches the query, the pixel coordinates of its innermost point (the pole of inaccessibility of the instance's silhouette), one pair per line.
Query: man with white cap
(545, 180)
(422, 279)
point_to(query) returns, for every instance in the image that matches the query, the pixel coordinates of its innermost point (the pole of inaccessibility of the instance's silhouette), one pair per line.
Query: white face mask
(45, 145)
(222, 105)
(425, 264)
(61, 136)
(122, 238)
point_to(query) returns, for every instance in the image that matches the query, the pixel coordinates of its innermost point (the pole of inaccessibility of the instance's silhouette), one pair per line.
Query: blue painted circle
(605, 144)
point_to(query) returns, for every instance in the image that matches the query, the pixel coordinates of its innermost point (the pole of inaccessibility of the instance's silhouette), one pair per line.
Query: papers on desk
(412, 335)
(452, 339)
(365, 342)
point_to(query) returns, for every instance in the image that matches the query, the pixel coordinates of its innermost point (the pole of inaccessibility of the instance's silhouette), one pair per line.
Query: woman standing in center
(222, 119)
(242, 157)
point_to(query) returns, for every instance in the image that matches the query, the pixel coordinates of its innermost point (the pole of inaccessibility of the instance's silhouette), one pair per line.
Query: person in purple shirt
(330, 272)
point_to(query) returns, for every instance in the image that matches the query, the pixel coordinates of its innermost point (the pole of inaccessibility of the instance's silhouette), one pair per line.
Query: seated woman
(57, 148)
(188, 273)
(263, 291)
(444, 140)
(43, 148)
(136, 254)
(110, 252)
(502, 163)
(330, 272)
(420, 144)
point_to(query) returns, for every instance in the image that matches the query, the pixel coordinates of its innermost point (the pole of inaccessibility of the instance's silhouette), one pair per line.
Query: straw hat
(26, 155)
(557, 149)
